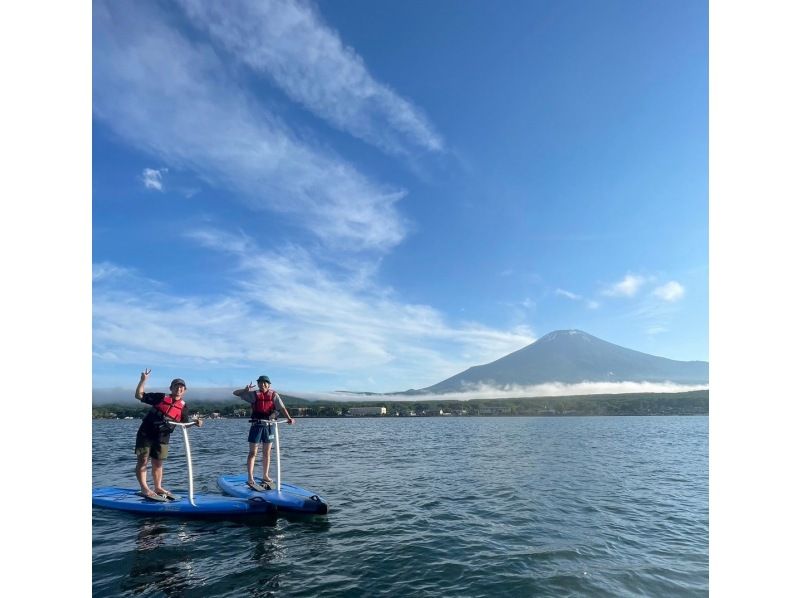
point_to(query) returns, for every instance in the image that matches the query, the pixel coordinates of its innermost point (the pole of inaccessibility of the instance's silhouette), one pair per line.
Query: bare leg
(251, 461)
(141, 473)
(267, 456)
(158, 471)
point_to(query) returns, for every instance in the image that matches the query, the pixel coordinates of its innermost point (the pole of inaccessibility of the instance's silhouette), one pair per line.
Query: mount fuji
(571, 357)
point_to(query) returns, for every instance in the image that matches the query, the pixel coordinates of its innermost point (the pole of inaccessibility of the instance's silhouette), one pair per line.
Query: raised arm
(244, 390)
(140, 387)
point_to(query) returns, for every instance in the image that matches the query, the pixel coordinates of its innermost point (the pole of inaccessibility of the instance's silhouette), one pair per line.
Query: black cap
(264, 379)
(177, 381)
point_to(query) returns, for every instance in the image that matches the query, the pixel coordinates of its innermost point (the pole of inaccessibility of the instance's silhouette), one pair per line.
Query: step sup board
(128, 499)
(290, 498)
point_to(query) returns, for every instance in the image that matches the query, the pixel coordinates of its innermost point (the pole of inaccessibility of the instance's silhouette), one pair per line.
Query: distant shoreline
(682, 403)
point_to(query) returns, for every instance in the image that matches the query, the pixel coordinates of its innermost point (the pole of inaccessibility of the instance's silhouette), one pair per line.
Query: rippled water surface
(600, 506)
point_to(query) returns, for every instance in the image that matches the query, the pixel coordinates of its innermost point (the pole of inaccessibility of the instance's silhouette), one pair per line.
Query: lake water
(447, 506)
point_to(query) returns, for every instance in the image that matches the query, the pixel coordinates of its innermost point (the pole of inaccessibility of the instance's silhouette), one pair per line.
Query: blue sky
(373, 196)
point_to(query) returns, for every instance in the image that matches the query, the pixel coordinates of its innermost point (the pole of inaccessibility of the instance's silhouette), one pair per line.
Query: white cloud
(553, 389)
(627, 287)
(652, 330)
(568, 294)
(589, 303)
(174, 98)
(483, 391)
(151, 177)
(106, 273)
(286, 310)
(672, 291)
(107, 270)
(289, 41)
(656, 310)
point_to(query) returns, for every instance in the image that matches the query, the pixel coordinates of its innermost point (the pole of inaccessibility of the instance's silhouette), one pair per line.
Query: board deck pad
(291, 498)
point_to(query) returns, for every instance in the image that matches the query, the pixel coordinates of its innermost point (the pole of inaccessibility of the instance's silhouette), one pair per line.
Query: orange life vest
(171, 408)
(264, 404)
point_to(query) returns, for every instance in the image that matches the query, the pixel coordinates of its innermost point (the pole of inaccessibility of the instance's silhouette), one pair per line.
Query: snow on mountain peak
(561, 333)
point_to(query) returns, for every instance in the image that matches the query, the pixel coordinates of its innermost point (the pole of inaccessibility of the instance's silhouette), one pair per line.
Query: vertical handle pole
(189, 463)
(278, 453)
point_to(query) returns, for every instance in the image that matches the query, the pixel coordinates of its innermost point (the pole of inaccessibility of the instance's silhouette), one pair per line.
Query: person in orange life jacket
(152, 439)
(265, 403)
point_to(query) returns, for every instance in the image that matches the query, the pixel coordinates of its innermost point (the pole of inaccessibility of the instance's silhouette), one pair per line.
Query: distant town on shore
(681, 403)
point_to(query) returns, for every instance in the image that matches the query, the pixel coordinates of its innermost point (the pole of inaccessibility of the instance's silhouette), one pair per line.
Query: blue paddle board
(127, 499)
(291, 498)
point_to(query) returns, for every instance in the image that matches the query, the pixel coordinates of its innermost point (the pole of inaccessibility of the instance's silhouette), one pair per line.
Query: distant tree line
(684, 403)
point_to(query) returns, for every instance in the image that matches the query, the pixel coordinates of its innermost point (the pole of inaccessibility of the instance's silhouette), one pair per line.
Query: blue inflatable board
(291, 498)
(128, 499)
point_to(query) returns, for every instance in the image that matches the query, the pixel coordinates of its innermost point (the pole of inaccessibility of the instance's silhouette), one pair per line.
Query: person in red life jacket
(152, 439)
(265, 403)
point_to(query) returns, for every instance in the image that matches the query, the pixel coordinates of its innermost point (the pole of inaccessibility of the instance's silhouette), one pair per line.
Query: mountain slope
(572, 356)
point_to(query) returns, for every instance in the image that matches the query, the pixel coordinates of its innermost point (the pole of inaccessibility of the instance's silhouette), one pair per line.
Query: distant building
(360, 411)
(494, 411)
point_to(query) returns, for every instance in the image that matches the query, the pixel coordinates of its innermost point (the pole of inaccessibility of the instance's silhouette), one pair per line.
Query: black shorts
(152, 445)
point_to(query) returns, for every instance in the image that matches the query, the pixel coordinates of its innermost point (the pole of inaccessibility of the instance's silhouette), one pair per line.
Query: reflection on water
(162, 561)
(467, 507)
(151, 535)
(266, 549)
(169, 557)
(178, 558)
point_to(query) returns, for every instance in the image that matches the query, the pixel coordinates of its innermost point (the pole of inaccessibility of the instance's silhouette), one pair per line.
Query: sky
(374, 196)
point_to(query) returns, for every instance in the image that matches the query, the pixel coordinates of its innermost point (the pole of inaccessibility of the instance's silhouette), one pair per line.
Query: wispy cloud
(672, 291)
(106, 395)
(568, 294)
(627, 287)
(174, 98)
(653, 314)
(589, 303)
(107, 270)
(151, 177)
(652, 330)
(295, 314)
(519, 312)
(482, 391)
(288, 40)
(656, 312)
(106, 273)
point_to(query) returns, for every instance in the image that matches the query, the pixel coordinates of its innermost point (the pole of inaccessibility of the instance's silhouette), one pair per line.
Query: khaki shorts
(151, 447)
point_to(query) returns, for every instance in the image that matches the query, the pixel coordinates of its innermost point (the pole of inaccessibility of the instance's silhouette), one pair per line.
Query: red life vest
(171, 407)
(264, 404)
